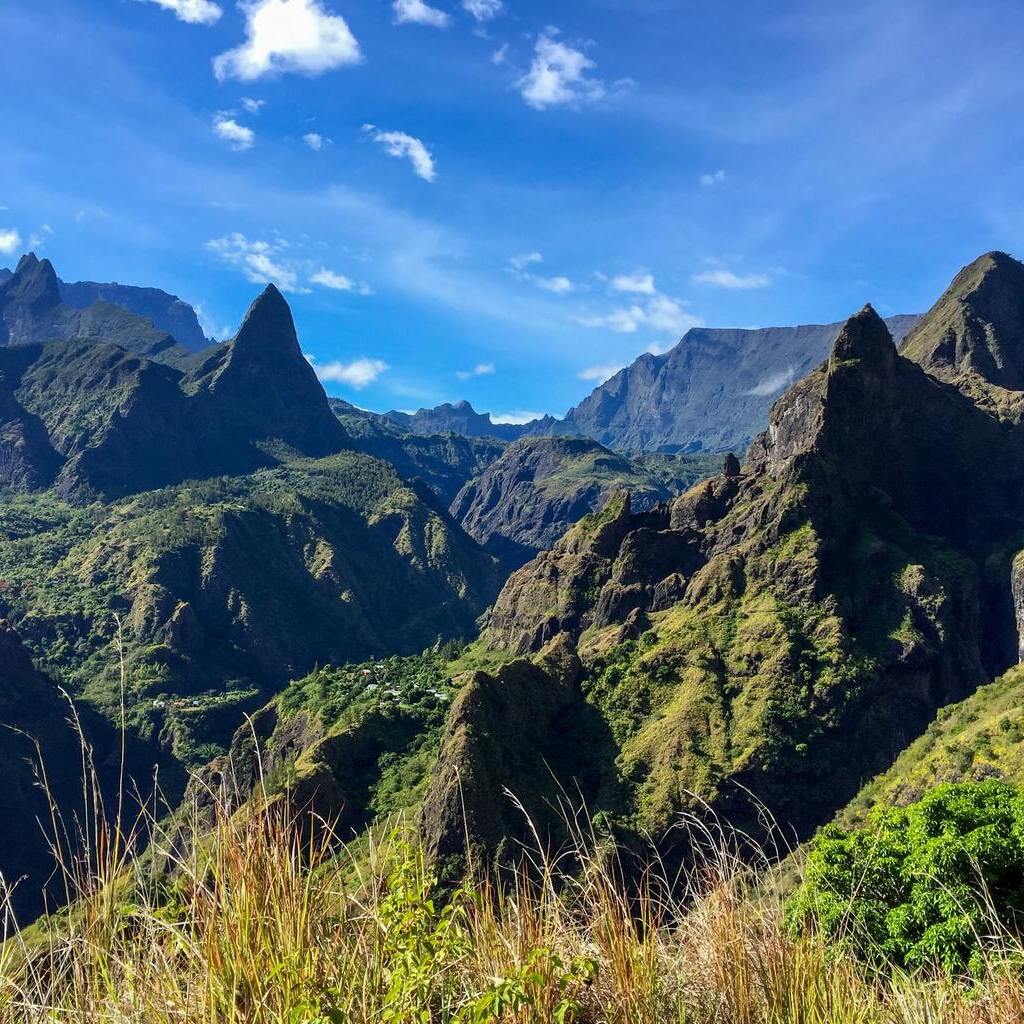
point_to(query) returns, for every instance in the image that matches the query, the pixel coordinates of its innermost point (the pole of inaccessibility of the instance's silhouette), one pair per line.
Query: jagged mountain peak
(268, 325)
(34, 284)
(976, 329)
(865, 337)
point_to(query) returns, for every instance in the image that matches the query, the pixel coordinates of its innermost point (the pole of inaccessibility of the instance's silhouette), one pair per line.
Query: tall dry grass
(261, 924)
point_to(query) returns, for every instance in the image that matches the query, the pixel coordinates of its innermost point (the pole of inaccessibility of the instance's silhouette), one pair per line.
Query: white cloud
(480, 370)
(558, 75)
(195, 12)
(659, 313)
(288, 35)
(599, 373)
(517, 268)
(667, 314)
(358, 374)
(10, 240)
(399, 144)
(524, 260)
(727, 279)
(558, 285)
(773, 384)
(483, 10)
(315, 141)
(517, 418)
(418, 12)
(635, 284)
(253, 106)
(261, 262)
(500, 56)
(338, 282)
(712, 178)
(38, 238)
(236, 135)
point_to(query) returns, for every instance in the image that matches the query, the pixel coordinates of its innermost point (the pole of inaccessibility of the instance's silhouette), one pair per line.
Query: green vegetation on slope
(979, 738)
(228, 587)
(921, 885)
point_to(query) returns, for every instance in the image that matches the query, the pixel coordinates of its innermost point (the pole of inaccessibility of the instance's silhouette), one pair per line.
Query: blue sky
(506, 201)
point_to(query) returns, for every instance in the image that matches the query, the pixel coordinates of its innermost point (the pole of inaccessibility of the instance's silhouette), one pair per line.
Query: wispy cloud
(401, 145)
(559, 75)
(636, 284)
(523, 260)
(288, 36)
(195, 12)
(236, 135)
(480, 370)
(660, 313)
(655, 311)
(728, 279)
(558, 285)
(261, 262)
(483, 10)
(10, 240)
(418, 12)
(517, 267)
(599, 373)
(358, 374)
(339, 282)
(517, 417)
(315, 141)
(773, 384)
(252, 106)
(712, 178)
(38, 238)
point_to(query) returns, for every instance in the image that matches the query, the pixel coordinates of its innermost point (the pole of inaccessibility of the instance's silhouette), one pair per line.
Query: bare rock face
(711, 392)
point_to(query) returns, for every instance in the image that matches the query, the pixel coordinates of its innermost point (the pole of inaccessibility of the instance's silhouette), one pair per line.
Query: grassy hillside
(260, 927)
(979, 738)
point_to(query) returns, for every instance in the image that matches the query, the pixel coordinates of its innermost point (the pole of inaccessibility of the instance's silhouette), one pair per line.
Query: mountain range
(760, 646)
(711, 392)
(423, 623)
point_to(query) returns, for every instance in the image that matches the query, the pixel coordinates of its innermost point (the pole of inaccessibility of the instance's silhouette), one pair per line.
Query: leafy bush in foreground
(921, 885)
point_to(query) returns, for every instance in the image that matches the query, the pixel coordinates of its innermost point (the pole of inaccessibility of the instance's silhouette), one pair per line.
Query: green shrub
(921, 886)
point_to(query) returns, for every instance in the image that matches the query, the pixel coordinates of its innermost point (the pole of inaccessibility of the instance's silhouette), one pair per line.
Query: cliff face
(527, 499)
(167, 312)
(711, 392)
(778, 632)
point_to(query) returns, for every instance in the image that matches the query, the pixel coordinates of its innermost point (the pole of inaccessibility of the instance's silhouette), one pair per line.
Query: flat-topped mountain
(167, 312)
(710, 392)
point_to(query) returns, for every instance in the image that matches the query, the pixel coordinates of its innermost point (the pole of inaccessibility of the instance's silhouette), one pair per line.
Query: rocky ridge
(781, 630)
